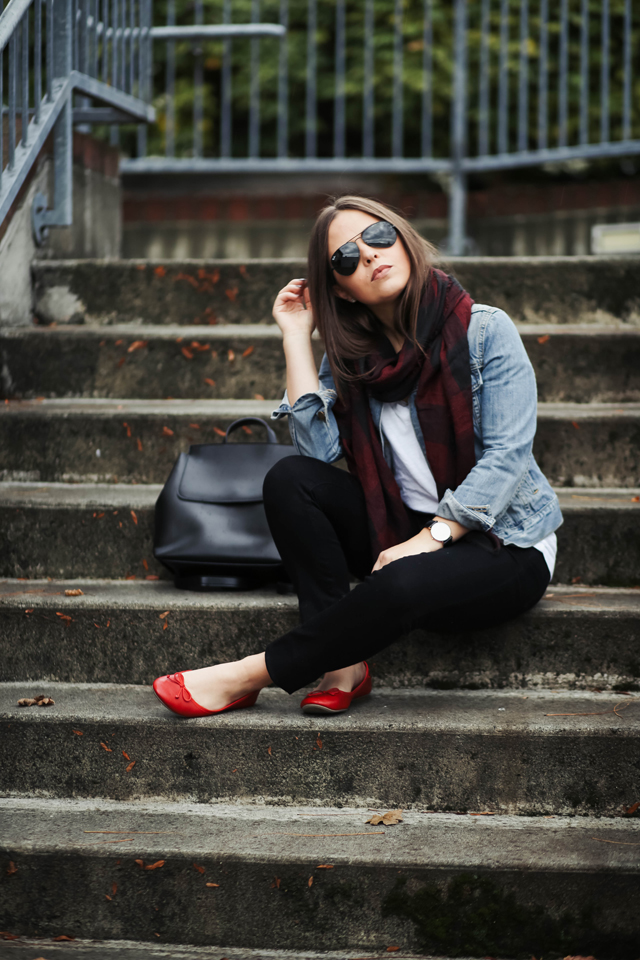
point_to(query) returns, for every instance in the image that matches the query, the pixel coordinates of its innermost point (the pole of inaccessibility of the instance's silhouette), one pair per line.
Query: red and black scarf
(443, 404)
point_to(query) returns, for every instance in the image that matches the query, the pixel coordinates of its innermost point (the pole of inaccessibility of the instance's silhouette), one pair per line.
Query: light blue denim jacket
(505, 492)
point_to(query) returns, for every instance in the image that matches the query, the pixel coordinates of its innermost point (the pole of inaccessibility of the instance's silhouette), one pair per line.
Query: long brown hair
(350, 330)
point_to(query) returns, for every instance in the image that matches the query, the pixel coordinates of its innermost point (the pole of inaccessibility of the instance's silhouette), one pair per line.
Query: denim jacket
(505, 491)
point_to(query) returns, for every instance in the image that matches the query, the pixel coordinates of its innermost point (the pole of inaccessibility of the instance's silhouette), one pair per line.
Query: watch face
(440, 531)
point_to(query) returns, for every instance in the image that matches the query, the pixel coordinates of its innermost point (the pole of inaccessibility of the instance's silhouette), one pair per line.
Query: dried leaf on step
(45, 702)
(248, 351)
(324, 866)
(258, 396)
(136, 345)
(392, 949)
(544, 339)
(105, 747)
(8, 936)
(74, 593)
(165, 614)
(632, 809)
(63, 616)
(231, 355)
(167, 432)
(209, 382)
(131, 766)
(387, 819)
(11, 869)
(186, 353)
(134, 517)
(310, 882)
(114, 888)
(276, 883)
(26, 702)
(212, 884)
(140, 863)
(197, 867)
(79, 733)
(63, 937)
(220, 432)
(154, 866)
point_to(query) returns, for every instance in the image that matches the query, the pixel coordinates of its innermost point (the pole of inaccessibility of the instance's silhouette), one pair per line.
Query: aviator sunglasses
(347, 257)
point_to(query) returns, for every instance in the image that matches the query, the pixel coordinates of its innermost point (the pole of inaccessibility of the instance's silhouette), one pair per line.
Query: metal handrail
(10, 19)
(218, 31)
(65, 54)
(509, 58)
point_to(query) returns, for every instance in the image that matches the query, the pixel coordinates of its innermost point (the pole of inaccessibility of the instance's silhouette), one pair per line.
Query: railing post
(62, 213)
(458, 188)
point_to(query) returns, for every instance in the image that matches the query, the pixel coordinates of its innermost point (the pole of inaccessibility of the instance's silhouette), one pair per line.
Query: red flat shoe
(171, 691)
(334, 700)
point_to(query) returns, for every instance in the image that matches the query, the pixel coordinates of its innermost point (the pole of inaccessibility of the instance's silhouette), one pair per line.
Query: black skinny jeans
(318, 520)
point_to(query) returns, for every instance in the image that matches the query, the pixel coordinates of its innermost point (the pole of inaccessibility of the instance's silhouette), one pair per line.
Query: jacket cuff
(473, 517)
(308, 401)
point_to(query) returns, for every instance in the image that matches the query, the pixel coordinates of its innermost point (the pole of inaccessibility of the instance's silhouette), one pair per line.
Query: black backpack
(211, 530)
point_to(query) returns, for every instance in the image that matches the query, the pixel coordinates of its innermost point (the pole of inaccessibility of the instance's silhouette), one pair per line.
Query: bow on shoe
(179, 679)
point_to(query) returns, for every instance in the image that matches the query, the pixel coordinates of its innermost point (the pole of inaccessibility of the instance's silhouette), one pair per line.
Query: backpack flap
(229, 473)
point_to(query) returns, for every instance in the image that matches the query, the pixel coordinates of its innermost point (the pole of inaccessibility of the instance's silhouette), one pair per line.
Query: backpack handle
(238, 423)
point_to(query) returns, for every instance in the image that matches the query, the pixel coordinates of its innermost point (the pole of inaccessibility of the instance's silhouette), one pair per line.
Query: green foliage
(245, 53)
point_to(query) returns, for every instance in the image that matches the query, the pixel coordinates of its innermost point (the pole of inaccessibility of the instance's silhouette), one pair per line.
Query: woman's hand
(292, 310)
(423, 542)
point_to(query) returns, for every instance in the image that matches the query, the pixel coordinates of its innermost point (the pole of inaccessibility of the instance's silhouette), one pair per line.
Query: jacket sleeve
(312, 423)
(508, 416)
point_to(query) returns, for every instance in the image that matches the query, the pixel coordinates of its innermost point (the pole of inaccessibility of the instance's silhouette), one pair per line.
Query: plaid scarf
(443, 404)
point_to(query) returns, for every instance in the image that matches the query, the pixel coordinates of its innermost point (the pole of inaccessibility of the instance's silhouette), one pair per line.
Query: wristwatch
(440, 531)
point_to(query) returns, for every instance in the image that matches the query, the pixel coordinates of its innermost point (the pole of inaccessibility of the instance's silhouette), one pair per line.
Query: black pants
(318, 519)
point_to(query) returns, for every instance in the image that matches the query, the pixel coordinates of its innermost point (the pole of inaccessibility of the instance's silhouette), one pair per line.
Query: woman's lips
(380, 271)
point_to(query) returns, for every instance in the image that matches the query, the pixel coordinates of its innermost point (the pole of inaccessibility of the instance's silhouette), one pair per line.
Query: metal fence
(49, 51)
(401, 86)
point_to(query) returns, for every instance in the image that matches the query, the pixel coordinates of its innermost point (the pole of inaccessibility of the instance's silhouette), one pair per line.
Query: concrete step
(535, 289)
(24, 948)
(139, 440)
(501, 751)
(436, 882)
(575, 638)
(106, 530)
(573, 364)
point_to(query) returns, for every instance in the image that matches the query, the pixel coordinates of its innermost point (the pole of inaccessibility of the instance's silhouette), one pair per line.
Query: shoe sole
(319, 708)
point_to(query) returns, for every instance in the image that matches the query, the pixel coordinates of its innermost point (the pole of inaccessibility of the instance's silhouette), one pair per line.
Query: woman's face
(381, 274)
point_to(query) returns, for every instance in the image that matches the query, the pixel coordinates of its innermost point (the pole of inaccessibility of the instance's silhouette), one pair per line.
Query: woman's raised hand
(292, 309)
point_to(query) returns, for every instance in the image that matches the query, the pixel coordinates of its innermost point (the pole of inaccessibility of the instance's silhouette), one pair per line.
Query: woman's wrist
(457, 531)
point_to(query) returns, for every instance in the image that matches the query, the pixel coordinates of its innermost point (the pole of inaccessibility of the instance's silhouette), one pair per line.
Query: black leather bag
(211, 530)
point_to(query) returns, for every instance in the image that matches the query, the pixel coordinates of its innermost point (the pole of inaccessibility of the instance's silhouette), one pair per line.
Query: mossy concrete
(106, 530)
(567, 887)
(531, 289)
(578, 364)
(575, 638)
(104, 441)
(540, 753)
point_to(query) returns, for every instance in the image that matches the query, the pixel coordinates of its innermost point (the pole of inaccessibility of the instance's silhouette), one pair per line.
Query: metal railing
(402, 86)
(51, 50)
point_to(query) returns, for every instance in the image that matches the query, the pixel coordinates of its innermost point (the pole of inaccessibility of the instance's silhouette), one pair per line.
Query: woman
(444, 514)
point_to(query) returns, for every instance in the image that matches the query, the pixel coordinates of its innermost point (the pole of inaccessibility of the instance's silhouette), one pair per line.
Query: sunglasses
(347, 257)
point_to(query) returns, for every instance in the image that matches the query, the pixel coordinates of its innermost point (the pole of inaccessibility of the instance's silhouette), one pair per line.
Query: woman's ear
(339, 292)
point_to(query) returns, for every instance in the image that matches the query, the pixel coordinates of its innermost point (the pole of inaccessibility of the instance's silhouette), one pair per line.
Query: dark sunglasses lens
(345, 259)
(381, 234)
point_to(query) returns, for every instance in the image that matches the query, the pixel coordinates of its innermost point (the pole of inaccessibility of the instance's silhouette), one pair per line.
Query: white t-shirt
(413, 474)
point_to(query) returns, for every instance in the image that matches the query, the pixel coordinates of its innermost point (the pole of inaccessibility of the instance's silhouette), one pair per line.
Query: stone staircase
(513, 751)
